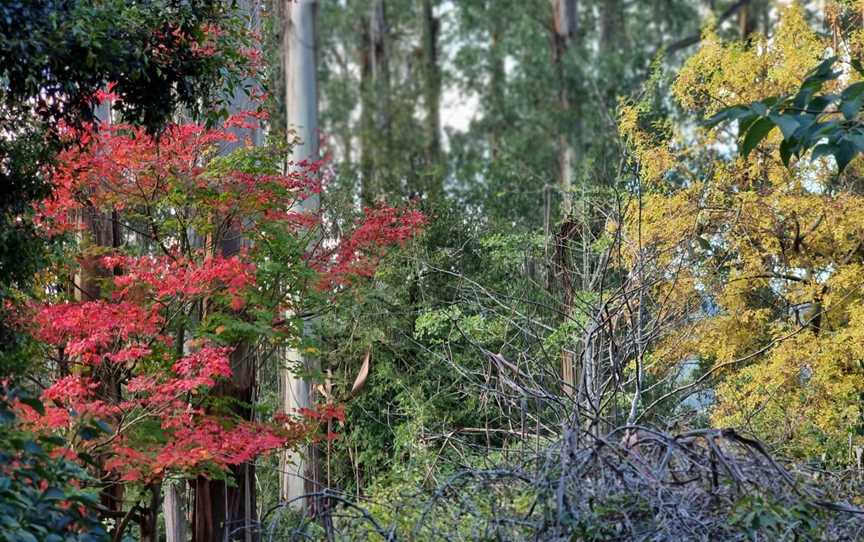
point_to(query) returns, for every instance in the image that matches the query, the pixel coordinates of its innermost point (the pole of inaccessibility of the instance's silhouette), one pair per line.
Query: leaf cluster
(825, 122)
(39, 495)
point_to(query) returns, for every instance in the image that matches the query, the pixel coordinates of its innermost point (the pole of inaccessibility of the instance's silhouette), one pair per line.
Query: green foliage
(825, 122)
(409, 317)
(59, 53)
(610, 518)
(761, 519)
(39, 495)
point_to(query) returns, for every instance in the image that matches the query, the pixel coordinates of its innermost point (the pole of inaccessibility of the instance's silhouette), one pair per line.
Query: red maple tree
(138, 355)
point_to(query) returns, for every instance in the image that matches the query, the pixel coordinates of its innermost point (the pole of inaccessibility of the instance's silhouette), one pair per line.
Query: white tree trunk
(175, 512)
(299, 468)
(564, 15)
(565, 28)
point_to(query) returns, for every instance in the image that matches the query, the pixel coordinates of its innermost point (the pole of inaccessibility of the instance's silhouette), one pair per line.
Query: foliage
(767, 253)
(61, 53)
(56, 57)
(149, 334)
(41, 490)
(637, 483)
(505, 374)
(115, 342)
(759, 517)
(805, 119)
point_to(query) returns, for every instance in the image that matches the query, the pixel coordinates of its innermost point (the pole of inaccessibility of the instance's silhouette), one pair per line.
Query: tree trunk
(100, 232)
(497, 82)
(148, 522)
(222, 508)
(226, 511)
(174, 512)
(563, 32)
(368, 189)
(375, 140)
(432, 99)
(300, 468)
(612, 36)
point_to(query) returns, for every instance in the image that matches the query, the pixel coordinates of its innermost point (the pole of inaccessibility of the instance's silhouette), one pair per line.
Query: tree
(300, 471)
(171, 310)
(124, 168)
(492, 241)
(771, 249)
(432, 98)
(233, 503)
(56, 56)
(375, 89)
(55, 61)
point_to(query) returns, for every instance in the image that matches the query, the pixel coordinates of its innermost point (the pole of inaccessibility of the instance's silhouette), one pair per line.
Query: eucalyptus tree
(299, 474)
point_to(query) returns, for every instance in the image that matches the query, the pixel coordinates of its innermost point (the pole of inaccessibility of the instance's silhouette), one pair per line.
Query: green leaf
(726, 114)
(760, 108)
(53, 494)
(851, 100)
(104, 427)
(744, 123)
(819, 130)
(756, 134)
(86, 458)
(31, 447)
(88, 433)
(813, 82)
(6, 416)
(788, 124)
(825, 149)
(845, 153)
(823, 72)
(788, 147)
(857, 138)
(818, 104)
(53, 439)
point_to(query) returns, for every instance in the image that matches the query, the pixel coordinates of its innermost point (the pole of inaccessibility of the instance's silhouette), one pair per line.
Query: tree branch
(696, 38)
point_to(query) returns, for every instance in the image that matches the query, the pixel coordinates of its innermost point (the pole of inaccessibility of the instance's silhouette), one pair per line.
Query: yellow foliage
(803, 396)
(723, 74)
(654, 156)
(758, 239)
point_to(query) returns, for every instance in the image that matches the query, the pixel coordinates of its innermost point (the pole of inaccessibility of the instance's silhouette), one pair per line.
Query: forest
(431, 270)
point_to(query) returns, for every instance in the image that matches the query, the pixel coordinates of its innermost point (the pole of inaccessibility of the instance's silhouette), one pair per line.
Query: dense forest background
(432, 270)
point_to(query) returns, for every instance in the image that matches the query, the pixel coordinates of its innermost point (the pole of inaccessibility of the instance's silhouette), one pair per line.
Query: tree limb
(683, 43)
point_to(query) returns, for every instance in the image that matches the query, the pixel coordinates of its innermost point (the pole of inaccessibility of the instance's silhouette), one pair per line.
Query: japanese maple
(140, 360)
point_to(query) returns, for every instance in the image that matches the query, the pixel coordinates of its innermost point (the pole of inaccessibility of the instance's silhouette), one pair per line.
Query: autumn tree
(54, 58)
(172, 309)
(770, 239)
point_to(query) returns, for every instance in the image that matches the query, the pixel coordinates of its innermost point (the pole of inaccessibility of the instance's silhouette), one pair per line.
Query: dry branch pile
(635, 483)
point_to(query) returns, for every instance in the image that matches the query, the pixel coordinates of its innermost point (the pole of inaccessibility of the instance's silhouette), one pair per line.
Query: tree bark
(613, 38)
(300, 471)
(375, 136)
(148, 521)
(100, 232)
(432, 99)
(497, 82)
(564, 31)
(221, 507)
(174, 512)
